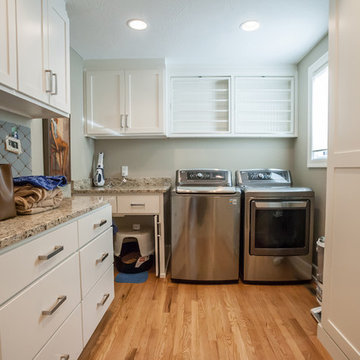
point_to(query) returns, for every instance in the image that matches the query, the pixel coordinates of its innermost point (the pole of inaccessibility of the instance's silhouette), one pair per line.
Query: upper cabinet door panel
(105, 102)
(32, 48)
(200, 105)
(144, 101)
(7, 43)
(59, 57)
(264, 106)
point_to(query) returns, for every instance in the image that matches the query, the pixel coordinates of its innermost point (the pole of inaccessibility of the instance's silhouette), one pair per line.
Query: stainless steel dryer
(277, 227)
(205, 226)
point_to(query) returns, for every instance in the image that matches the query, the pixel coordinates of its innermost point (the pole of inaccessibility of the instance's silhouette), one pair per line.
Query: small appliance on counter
(99, 179)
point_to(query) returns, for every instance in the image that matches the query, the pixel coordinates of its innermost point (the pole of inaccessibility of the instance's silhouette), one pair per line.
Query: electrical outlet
(124, 171)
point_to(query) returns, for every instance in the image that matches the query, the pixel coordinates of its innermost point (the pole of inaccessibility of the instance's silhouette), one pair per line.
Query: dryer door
(279, 227)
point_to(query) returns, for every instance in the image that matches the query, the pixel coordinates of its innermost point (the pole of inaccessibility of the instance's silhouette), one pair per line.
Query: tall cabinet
(339, 330)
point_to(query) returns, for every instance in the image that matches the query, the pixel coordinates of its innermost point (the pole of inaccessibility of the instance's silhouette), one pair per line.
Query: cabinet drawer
(138, 204)
(67, 341)
(25, 326)
(21, 266)
(95, 258)
(97, 302)
(94, 224)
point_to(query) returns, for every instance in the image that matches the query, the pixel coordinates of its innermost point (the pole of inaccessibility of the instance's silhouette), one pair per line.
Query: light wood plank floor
(163, 320)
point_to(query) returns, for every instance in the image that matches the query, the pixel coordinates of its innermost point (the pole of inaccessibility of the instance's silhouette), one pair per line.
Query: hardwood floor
(164, 320)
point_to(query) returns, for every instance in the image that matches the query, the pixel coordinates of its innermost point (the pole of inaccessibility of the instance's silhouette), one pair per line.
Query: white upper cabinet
(105, 100)
(59, 57)
(232, 106)
(264, 106)
(7, 43)
(124, 103)
(144, 101)
(34, 57)
(200, 105)
(32, 49)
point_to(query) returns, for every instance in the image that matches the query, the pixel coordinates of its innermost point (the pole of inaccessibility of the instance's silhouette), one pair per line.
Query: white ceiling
(198, 30)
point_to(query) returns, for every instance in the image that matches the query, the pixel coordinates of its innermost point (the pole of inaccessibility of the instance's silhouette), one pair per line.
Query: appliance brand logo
(233, 201)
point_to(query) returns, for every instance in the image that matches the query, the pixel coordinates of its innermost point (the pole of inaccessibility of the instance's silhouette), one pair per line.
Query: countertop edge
(16, 239)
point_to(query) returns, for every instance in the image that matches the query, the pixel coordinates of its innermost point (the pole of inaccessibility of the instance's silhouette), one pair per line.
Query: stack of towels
(35, 194)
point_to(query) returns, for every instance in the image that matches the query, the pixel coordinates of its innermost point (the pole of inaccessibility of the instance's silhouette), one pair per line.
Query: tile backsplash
(21, 164)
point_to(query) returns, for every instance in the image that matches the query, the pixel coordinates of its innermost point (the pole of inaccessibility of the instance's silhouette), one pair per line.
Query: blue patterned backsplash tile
(21, 164)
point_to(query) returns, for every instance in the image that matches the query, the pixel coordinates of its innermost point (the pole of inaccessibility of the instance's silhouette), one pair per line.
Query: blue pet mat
(132, 278)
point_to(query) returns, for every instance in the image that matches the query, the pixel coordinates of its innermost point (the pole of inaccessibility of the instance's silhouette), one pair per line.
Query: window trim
(312, 70)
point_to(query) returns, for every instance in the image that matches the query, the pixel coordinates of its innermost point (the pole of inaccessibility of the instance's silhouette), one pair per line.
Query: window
(318, 82)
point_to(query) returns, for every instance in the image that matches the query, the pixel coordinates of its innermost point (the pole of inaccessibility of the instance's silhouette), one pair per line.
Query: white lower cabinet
(97, 302)
(59, 298)
(66, 344)
(28, 262)
(33, 316)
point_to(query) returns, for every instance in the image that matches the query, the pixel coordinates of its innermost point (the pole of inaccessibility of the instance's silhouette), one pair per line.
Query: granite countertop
(23, 226)
(116, 186)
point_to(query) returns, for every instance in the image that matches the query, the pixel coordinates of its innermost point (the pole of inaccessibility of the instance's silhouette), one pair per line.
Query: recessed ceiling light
(137, 24)
(250, 25)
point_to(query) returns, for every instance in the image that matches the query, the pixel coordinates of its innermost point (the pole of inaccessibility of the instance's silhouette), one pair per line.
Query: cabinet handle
(159, 228)
(65, 357)
(104, 299)
(122, 121)
(56, 250)
(48, 81)
(137, 205)
(102, 258)
(126, 121)
(100, 224)
(54, 76)
(60, 300)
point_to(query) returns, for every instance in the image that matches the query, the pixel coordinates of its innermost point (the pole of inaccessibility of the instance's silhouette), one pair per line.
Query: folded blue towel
(46, 182)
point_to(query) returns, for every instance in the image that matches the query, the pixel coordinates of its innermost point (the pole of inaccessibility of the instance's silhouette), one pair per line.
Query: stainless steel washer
(205, 226)
(277, 223)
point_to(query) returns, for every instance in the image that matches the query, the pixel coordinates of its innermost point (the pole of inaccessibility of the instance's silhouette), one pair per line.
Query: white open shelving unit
(264, 105)
(200, 105)
(235, 105)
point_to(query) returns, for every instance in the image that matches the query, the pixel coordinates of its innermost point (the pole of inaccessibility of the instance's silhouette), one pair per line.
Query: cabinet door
(105, 102)
(341, 296)
(7, 43)
(32, 48)
(264, 106)
(59, 60)
(144, 101)
(200, 105)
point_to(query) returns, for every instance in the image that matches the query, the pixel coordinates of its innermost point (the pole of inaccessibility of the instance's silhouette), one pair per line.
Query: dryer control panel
(263, 177)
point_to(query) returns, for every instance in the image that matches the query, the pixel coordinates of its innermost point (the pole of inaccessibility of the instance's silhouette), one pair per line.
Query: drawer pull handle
(100, 224)
(103, 257)
(60, 300)
(137, 204)
(56, 250)
(65, 357)
(104, 299)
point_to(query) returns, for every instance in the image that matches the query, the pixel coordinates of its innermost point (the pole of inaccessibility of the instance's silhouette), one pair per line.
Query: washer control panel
(203, 177)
